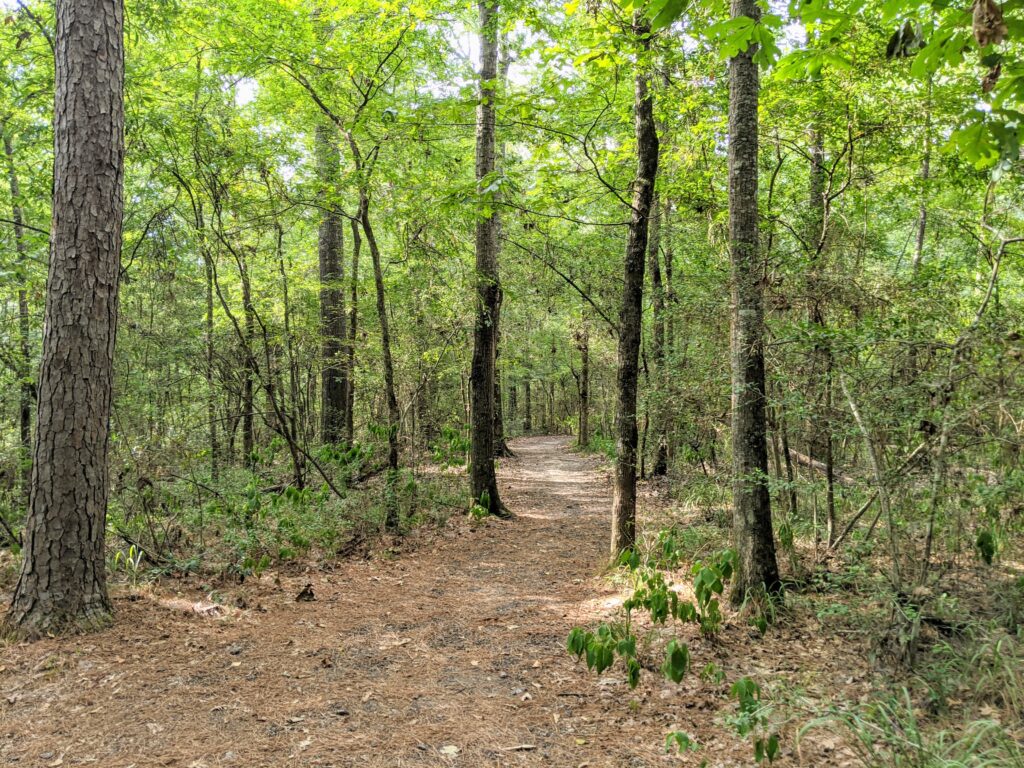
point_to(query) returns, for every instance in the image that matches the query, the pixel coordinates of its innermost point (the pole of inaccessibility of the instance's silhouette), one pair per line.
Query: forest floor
(451, 654)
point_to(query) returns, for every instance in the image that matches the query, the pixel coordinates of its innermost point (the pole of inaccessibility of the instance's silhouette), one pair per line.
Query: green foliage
(451, 448)
(681, 742)
(887, 732)
(129, 561)
(753, 720)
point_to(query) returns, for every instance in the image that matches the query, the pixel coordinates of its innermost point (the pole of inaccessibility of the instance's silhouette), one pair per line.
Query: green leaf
(677, 661)
(664, 12)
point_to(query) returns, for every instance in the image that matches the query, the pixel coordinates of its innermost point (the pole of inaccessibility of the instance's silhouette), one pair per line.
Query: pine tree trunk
(63, 580)
(631, 312)
(334, 386)
(752, 522)
(483, 480)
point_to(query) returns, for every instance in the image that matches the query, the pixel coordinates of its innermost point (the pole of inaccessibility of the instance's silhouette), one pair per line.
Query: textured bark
(333, 377)
(752, 522)
(24, 364)
(631, 312)
(483, 481)
(63, 581)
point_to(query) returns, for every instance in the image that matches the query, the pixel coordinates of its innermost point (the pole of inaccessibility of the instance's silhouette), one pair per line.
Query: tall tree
(63, 580)
(752, 520)
(334, 376)
(483, 480)
(631, 311)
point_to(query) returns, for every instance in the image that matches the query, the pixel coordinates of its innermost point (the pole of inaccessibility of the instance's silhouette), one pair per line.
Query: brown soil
(452, 655)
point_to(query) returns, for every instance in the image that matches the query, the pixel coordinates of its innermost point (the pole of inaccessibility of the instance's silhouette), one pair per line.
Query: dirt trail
(452, 655)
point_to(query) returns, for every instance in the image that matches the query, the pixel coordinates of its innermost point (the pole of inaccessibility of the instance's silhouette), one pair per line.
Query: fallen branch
(806, 461)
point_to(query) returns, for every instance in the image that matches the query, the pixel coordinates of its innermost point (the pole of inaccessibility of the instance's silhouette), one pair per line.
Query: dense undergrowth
(250, 519)
(945, 645)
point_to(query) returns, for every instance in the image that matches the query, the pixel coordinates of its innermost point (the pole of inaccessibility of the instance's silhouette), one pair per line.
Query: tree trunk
(334, 386)
(820, 443)
(631, 312)
(24, 364)
(656, 409)
(527, 408)
(583, 439)
(501, 449)
(513, 400)
(483, 480)
(211, 395)
(926, 166)
(752, 522)
(350, 351)
(248, 375)
(391, 521)
(63, 578)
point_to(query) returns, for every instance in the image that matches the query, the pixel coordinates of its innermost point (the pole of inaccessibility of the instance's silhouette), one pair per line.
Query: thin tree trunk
(334, 374)
(483, 480)
(248, 400)
(926, 166)
(501, 449)
(752, 521)
(631, 313)
(62, 585)
(211, 395)
(350, 351)
(293, 423)
(391, 521)
(788, 459)
(527, 408)
(820, 443)
(656, 408)
(583, 439)
(24, 364)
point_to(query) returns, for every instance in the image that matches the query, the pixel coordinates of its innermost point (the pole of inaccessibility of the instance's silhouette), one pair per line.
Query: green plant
(451, 447)
(887, 732)
(752, 719)
(482, 507)
(712, 674)
(653, 593)
(681, 741)
(708, 584)
(130, 561)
